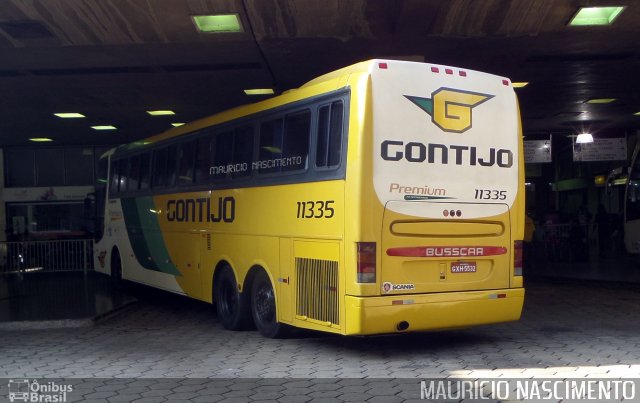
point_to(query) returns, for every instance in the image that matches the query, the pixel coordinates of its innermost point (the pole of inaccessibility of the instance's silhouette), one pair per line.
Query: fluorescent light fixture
(259, 91)
(221, 23)
(595, 16)
(568, 114)
(600, 100)
(69, 115)
(177, 124)
(520, 84)
(40, 139)
(103, 127)
(584, 138)
(636, 114)
(161, 113)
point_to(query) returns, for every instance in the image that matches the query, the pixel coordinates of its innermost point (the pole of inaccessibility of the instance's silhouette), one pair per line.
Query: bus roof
(332, 81)
(327, 82)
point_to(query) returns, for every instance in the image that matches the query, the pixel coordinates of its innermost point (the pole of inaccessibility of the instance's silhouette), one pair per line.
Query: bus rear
(447, 177)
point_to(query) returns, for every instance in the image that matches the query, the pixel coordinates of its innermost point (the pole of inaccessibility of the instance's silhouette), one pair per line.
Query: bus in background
(384, 197)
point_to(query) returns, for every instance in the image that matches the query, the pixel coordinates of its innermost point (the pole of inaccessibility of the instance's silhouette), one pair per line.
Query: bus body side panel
(288, 230)
(132, 237)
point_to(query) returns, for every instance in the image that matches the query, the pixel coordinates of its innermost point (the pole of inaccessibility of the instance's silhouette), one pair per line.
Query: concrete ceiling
(114, 59)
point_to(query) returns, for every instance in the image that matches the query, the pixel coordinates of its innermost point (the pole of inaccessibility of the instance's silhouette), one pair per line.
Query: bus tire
(263, 308)
(231, 305)
(116, 269)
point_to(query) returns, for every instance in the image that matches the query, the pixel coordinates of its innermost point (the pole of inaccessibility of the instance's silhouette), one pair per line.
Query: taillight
(517, 258)
(366, 262)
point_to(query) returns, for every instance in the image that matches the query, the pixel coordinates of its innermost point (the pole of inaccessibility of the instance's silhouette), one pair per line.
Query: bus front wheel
(230, 304)
(263, 307)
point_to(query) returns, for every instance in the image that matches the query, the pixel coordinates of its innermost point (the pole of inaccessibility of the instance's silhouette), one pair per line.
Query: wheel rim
(265, 304)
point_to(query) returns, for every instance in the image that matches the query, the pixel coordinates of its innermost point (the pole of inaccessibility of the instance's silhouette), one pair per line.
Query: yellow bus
(384, 197)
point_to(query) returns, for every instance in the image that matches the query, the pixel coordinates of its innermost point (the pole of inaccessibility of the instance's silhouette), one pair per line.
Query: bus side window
(329, 147)
(115, 172)
(185, 162)
(203, 159)
(296, 141)
(270, 145)
(242, 151)
(159, 168)
(223, 153)
(134, 173)
(172, 165)
(145, 171)
(125, 164)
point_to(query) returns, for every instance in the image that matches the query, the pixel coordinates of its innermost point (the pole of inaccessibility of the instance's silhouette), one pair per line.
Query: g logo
(450, 109)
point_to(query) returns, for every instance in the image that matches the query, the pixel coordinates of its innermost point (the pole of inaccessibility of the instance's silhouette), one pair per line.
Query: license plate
(463, 267)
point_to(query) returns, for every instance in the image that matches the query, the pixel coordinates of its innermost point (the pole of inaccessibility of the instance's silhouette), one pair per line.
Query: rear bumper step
(421, 312)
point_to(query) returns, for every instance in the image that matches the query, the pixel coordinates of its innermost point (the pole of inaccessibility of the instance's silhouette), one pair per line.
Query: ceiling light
(104, 127)
(259, 91)
(40, 139)
(568, 114)
(177, 124)
(595, 16)
(69, 115)
(636, 114)
(584, 138)
(222, 23)
(520, 84)
(161, 113)
(600, 100)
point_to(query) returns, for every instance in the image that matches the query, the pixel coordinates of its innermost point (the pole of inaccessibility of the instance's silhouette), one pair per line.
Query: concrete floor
(169, 348)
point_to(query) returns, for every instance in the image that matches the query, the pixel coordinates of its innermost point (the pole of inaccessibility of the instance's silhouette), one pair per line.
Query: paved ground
(567, 331)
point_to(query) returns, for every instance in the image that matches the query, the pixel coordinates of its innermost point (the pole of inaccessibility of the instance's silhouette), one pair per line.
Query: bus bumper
(392, 313)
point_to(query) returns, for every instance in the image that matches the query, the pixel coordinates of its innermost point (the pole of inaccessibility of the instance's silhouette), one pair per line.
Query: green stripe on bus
(145, 235)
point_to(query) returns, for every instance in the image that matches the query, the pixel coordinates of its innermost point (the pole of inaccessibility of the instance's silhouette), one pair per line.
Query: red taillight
(517, 258)
(366, 264)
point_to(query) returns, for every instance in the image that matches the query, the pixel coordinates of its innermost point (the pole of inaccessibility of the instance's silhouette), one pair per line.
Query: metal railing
(46, 256)
(568, 242)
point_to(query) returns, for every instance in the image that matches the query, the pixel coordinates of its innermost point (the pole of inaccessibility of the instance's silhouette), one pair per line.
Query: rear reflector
(383, 66)
(366, 265)
(447, 251)
(517, 258)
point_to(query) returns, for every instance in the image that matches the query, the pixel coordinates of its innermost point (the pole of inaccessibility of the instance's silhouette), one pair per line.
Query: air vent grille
(317, 290)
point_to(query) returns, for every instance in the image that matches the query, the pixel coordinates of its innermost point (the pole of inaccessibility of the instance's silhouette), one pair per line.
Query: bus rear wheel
(230, 304)
(263, 308)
